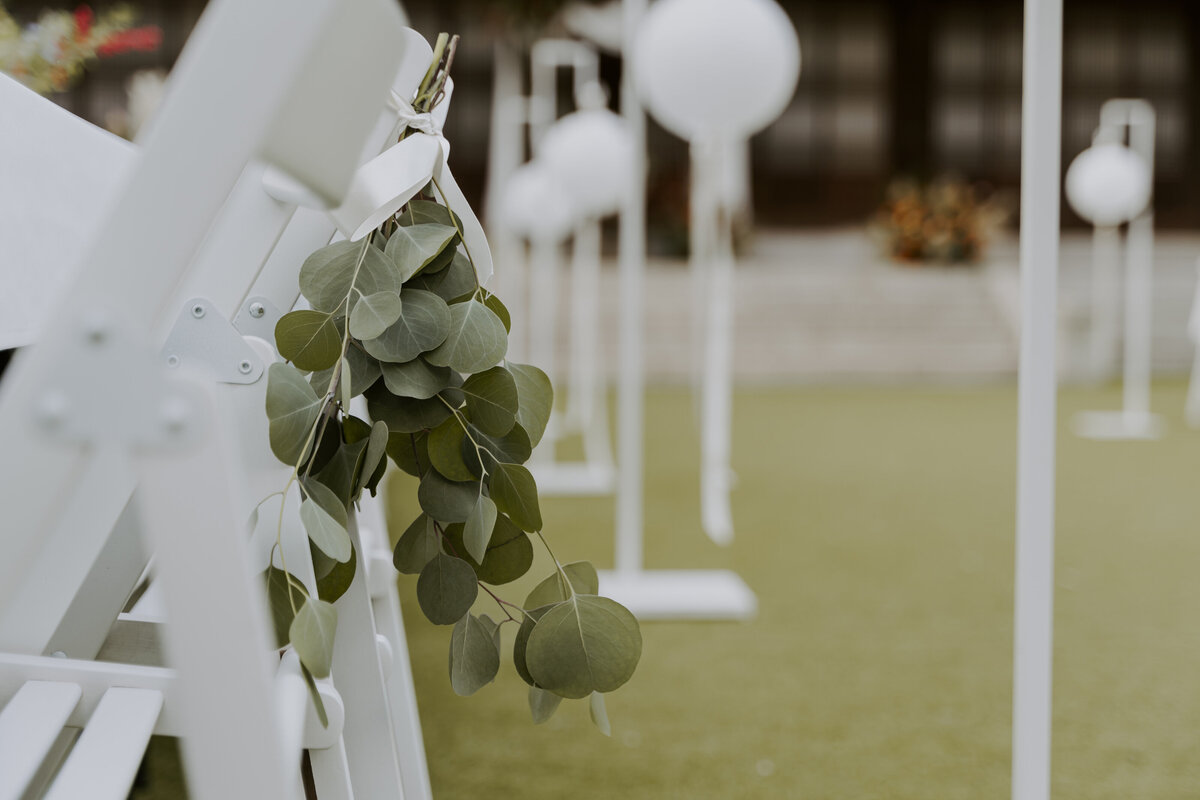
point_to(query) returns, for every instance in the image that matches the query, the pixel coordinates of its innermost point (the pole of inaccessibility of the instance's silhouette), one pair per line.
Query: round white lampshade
(720, 69)
(1108, 184)
(591, 154)
(535, 205)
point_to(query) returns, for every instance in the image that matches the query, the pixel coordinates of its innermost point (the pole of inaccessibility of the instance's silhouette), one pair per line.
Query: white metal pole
(582, 383)
(1106, 261)
(632, 256)
(1139, 295)
(1037, 401)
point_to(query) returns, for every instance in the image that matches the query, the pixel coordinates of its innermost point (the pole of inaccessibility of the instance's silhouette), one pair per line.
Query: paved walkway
(823, 306)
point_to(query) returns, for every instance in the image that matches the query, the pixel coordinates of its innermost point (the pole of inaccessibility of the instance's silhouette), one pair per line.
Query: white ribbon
(384, 184)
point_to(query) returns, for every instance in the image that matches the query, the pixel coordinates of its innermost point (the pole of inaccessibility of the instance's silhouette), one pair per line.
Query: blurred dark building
(888, 88)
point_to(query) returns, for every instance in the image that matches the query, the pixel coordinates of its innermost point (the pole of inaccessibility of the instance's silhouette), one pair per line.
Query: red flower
(83, 22)
(145, 39)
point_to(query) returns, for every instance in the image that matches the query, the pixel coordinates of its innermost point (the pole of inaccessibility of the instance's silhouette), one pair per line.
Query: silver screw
(172, 361)
(245, 367)
(58, 654)
(197, 311)
(257, 310)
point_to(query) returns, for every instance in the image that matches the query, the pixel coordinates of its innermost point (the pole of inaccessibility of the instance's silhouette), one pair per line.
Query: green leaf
(443, 260)
(515, 493)
(315, 694)
(410, 451)
(413, 246)
(346, 385)
(542, 704)
(446, 500)
(476, 341)
(491, 398)
(446, 589)
(511, 448)
(374, 314)
(364, 371)
(281, 606)
(582, 576)
(599, 713)
(422, 211)
(583, 645)
(474, 655)
(521, 642)
(416, 378)
(424, 324)
(333, 577)
(344, 470)
(536, 399)
(292, 409)
(417, 546)
(480, 523)
(500, 310)
(509, 554)
(312, 634)
(328, 275)
(451, 283)
(309, 339)
(405, 414)
(327, 499)
(324, 531)
(446, 451)
(376, 448)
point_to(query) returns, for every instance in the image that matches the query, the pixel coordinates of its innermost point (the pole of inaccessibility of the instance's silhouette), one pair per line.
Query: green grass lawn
(876, 526)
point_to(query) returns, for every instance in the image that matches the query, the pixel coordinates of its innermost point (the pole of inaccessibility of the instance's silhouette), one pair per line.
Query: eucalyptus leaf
(376, 451)
(374, 314)
(446, 451)
(281, 602)
(333, 577)
(421, 211)
(599, 713)
(417, 546)
(474, 655)
(511, 448)
(342, 472)
(515, 493)
(509, 553)
(480, 523)
(309, 339)
(476, 340)
(446, 589)
(410, 451)
(405, 414)
(451, 283)
(312, 634)
(491, 398)
(417, 379)
(542, 704)
(424, 323)
(500, 310)
(412, 247)
(326, 498)
(582, 577)
(536, 399)
(346, 385)
(443, 260)
(585, 644)
(446, 500)
(364, 371)
(324, 531)
(521, 642)
(328, 275)
(315, 694)
(292, 409)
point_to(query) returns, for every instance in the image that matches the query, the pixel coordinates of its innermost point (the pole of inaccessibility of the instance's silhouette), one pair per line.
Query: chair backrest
(190, 220)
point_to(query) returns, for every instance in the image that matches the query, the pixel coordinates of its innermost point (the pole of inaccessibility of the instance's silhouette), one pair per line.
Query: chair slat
(106, 758)
(29, 724)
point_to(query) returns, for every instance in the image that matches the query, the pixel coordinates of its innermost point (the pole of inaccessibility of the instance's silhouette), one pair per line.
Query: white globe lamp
(716, 69)
(1108, 185)
(535, 205)
(590, 153)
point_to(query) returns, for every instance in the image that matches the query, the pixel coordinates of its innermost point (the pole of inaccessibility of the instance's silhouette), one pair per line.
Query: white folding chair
(89, 415)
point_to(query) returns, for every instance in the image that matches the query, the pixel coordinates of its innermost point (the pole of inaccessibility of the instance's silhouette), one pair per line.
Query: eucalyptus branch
(454, 220)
